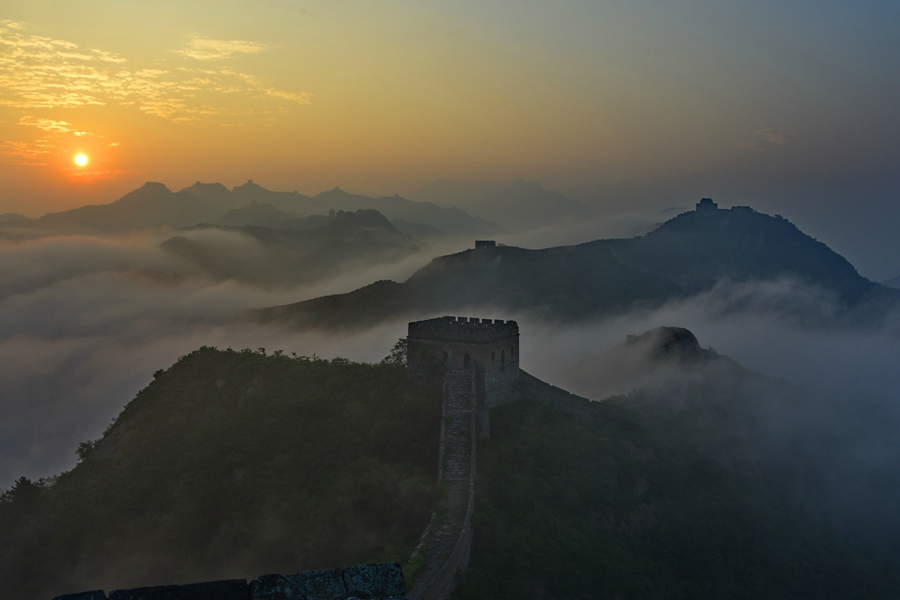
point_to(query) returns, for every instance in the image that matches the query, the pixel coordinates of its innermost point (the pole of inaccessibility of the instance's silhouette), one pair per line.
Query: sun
(81, 159)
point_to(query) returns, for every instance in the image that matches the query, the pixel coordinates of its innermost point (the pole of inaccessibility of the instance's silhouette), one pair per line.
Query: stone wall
(559, 399)
(376, 582)
(436, 346)
(463, 329)
(447, 541)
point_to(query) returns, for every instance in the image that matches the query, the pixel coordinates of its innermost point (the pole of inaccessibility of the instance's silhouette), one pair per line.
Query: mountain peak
(207, 186)
(338, 193)
(667, 342)
(249, 187)
(154, 186)
(148, 191)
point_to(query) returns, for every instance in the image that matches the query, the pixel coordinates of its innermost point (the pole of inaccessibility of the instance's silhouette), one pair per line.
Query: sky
(790, 107)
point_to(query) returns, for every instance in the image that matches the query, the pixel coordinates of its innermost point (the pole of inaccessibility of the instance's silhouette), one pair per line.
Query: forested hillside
(712, 482)
(232, 464)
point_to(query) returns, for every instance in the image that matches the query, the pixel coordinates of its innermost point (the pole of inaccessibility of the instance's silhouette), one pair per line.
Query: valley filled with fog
(85, 320)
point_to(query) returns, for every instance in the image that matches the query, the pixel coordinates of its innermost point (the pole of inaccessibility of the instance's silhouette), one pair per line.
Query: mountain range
(314, 248)
(154, 206)
(517, 206)
(688, 255)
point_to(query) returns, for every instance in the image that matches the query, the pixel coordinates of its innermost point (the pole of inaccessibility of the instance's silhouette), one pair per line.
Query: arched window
(466, 361)
(446, 357)
(512, 350)
(492, 357)
(502, 357)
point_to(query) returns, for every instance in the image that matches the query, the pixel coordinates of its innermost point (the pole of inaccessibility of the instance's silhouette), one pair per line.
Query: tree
(85, 448)
(397, 355)
(23, 493)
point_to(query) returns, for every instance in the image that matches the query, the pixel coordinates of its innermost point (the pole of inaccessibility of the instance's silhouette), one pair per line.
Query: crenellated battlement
(463, 329)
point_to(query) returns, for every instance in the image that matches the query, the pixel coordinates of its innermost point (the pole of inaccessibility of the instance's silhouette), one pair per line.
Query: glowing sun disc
(81, 160)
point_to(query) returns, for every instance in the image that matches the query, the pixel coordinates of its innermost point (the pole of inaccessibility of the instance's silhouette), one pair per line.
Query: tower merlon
(463, 329)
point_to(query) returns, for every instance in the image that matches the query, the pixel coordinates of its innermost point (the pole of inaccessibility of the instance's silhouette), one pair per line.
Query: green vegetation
(686, 492)
(233, 464)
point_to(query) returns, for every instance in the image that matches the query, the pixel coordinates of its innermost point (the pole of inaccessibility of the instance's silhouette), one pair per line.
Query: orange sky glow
(385, 97)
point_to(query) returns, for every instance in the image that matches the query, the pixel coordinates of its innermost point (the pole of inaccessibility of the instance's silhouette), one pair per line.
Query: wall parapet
(463, 329)
(376, 581)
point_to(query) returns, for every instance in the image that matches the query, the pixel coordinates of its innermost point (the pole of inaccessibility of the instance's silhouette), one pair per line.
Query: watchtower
(706, 205)
(489, 347)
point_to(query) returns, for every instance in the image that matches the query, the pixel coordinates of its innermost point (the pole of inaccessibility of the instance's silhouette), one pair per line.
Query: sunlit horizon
(618, 106)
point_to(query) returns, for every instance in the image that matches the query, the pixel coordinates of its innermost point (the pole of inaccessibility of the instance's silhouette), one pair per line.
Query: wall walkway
(447, 541)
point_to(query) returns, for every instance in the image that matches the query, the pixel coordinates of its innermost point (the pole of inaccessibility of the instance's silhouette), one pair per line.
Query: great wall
(476, 363)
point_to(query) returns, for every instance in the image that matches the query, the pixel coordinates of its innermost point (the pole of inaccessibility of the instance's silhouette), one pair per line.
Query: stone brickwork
(447, 541)
(557, 398)
(491, 346)
(370, 582)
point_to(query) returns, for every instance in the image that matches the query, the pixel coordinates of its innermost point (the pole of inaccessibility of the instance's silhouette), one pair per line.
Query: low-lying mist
(84, 322)
(743, 321)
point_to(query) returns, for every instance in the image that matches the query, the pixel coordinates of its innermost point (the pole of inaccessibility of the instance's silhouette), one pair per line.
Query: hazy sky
(789, 106)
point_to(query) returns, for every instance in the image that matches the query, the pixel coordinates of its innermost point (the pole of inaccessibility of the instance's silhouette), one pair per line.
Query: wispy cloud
(39, 72)
(11, 24)
(774, 136)
(27, 153)
(51, 125)
(766, 138)
(206, 49)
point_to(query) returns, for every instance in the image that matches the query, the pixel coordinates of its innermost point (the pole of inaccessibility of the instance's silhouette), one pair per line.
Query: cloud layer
(84, 322)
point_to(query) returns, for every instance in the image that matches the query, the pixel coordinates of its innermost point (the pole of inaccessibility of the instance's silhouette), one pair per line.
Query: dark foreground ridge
(683, 488)
(371, 582)
(476, 364)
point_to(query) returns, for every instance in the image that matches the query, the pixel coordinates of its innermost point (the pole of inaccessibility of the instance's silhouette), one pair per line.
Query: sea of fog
(85, 321)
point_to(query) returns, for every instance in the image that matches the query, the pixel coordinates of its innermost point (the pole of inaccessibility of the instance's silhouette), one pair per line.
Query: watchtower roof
(463, 329)
(706, 204)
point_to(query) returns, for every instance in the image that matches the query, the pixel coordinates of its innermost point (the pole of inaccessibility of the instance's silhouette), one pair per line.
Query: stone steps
(457, 439)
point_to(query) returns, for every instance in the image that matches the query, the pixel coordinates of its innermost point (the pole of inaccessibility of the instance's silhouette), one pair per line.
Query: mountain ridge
(688, 255)
(517, 205)
(153, 206)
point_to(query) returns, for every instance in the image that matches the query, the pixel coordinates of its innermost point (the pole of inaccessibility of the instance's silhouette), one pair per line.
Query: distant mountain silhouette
(450, 220)
(280, 257)
(153, 206)
(517, 206)
(417, 230)
(13, 220)
(215, 195)
(893, 283)
(453, 221)
(258, 214)
(686, 256)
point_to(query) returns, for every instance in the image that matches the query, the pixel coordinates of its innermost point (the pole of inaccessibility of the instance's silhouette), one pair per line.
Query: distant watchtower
(489, 347)
(707, 205)
(485, 244)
